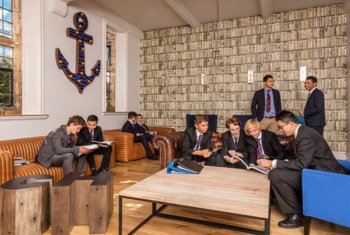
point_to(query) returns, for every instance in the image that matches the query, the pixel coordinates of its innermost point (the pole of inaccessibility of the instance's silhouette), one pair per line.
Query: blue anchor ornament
(79, 79)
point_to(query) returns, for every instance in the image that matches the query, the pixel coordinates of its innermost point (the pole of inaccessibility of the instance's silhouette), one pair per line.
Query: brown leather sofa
(126, 149)
(28, 148)
(169, 146)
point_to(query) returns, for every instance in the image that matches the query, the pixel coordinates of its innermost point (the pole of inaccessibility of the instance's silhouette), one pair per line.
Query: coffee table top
(229, 190)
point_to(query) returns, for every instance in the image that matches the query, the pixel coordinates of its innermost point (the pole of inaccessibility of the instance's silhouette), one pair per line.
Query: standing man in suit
(311, 152)
(262, 144)
(59, 148)
(90, 133)
(234, 144)
(196, 144)
(129, 126)
(314, 111)
(266, 104)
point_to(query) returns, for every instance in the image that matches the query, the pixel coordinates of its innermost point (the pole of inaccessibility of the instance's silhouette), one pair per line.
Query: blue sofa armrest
(326, 196)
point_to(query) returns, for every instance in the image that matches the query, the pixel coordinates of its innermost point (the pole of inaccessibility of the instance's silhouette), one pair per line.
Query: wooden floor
(134, 212)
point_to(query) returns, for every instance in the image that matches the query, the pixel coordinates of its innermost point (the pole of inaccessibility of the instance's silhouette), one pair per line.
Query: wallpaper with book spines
(173, 61)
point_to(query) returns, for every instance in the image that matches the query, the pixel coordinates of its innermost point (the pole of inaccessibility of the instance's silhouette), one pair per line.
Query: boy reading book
(87, 135)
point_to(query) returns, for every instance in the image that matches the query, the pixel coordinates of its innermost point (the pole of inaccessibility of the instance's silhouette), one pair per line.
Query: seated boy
(262, 144)
(143, 129)
(129, 126)
(90, 133)
(234, 144)
(59, 149)
(196, 144)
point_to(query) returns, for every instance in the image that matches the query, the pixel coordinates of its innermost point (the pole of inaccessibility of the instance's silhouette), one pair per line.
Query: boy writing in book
(196, 144)
(92, 132)
(262, 144)
(59, 149)
(311, 152)
(234, 144)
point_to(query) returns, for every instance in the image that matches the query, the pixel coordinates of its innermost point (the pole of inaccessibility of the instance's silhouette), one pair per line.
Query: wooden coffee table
(216, 189)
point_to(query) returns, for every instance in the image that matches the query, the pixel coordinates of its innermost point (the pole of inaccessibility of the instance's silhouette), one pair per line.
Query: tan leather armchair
(126, 149)
(28, 149)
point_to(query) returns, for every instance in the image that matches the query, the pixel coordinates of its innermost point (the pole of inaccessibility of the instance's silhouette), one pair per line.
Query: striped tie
(198, 143)
(259, 151)
(268, 102)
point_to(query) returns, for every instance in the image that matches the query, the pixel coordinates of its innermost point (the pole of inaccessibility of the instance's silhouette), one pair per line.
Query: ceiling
(159, 14)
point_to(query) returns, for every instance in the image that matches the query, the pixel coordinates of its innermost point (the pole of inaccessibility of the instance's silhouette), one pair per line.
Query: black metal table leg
(120, 215)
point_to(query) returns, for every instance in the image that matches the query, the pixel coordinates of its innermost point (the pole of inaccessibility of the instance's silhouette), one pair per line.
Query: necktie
(268, 102)
(259, 151)
(235, 142)
(308, 95)
(91, 135)
(198, 144)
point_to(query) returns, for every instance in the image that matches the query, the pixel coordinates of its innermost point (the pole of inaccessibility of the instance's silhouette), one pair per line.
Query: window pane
(7, 4)
(1, 27)
(5, 63)
(7, 28)
(6, 88)
(1, 3)
(1, 12)
(1, 50)
(7, 16)
(8, 52)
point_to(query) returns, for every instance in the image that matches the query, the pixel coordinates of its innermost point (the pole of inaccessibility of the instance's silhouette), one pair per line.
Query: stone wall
(204, 70)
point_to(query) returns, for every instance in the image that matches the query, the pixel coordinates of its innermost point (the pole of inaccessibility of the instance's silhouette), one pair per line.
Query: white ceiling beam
(59, 7)
(265, 8)
(183, 11)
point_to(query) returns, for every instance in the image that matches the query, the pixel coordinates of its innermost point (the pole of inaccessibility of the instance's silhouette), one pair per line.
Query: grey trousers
(66, 160)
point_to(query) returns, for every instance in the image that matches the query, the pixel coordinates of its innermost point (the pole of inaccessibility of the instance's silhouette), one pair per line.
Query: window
(110, 72)
(10, 59)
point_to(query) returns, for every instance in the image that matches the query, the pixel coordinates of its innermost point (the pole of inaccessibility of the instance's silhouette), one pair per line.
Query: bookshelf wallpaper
(188, 70)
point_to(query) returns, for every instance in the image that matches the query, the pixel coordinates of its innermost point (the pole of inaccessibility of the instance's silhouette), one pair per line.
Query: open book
(182, 166)
(251, 166)
(91, 146)
(103, 142)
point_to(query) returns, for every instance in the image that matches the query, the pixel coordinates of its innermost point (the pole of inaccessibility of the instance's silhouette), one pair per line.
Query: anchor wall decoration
(79, 79)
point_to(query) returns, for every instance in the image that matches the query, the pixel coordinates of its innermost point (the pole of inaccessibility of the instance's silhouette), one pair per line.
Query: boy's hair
(199, 118)
(251, 124)
(312, 78)
(77, 120)
(234, 121)
(139, 115)
(92, 118)
(266, 77)
(131, 114)
(286, 116)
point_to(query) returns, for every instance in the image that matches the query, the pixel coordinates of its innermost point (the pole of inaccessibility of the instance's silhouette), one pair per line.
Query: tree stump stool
(101, 202)
(25, 205)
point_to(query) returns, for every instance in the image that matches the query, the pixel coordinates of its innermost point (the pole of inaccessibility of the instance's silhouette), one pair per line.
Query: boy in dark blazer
(130, 126)
(196, 144)
(90, 133)
(314, 111)
(234, 144)
(266, 104)
(262, 144)
(311, 152)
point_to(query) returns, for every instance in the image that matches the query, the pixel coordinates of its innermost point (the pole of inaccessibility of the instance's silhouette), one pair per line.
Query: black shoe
(94, 172)
(101, 170)
(153, 157)
(292, 221)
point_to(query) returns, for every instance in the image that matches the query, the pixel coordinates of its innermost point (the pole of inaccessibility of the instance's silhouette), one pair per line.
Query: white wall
(61, 98)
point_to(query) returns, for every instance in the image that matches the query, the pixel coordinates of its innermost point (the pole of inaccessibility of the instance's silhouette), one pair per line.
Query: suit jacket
(56, 142)
(312, 152)
(190, 139)
(128, 127)
(141, 128)
(314, 111)
(272, 147)
(258, 103)
(228, 144)
(84, 135)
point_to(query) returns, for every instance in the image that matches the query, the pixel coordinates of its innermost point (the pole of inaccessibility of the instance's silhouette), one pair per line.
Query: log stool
(25, 205)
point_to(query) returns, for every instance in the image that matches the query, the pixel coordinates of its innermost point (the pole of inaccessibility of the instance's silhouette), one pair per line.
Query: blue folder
(172, 169)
